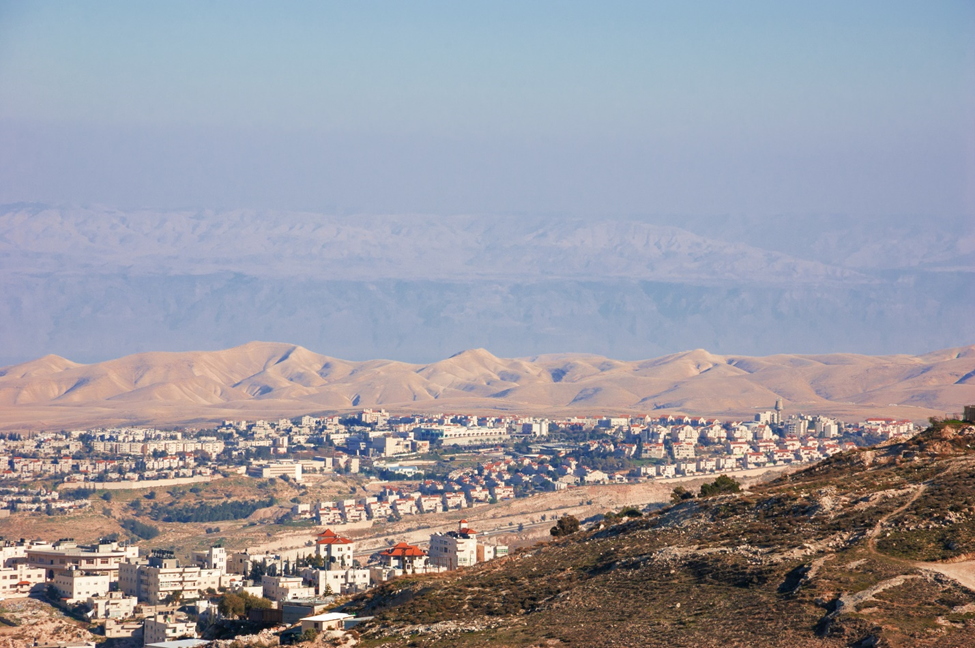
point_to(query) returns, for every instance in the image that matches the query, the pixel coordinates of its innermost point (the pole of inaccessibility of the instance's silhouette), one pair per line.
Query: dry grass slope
(840, 554)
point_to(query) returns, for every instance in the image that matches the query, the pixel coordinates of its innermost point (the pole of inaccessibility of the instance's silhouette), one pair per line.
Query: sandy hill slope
(872, 547)
(274, 379)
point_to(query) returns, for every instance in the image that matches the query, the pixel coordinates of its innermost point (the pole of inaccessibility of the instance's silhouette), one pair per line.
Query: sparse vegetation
(141, 529)
(211, 512)
(567, 525)
(768, 567)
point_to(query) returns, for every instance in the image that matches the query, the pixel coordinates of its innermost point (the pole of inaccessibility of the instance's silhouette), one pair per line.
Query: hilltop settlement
(127, 589)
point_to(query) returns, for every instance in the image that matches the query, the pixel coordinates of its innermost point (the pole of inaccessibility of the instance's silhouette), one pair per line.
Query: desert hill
(873, 547)
(264, 379)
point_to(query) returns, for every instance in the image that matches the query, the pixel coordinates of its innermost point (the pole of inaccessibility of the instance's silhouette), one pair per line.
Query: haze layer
(92, 284)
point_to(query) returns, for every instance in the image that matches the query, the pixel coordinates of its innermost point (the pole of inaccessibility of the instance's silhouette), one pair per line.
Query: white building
(285, 588)
(114, 605)
(454, 549)
(76, 585)
(276, 469)
(20, 579)
(213, 558)
(337, 551)
(167, 627)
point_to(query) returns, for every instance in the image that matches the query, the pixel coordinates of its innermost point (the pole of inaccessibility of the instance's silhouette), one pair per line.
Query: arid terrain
(873, 547)
(259, 380)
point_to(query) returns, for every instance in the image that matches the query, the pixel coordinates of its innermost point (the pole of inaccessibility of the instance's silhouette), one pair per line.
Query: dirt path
(875, 531)
(962, 572)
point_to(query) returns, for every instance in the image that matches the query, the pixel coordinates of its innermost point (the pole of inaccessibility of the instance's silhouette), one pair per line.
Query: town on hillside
(413, 465)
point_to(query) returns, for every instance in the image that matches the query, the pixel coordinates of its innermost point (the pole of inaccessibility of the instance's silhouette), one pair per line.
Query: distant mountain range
(93, 283)
(262, 379)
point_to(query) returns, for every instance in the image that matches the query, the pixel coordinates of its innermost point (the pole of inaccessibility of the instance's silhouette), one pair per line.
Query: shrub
(567, 525)
(141, 529)
(680, 494)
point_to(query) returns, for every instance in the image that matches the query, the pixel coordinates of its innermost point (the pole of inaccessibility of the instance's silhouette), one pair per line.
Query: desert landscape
(264, 379)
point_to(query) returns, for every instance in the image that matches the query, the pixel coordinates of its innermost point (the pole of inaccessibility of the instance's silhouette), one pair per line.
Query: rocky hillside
(868, 548)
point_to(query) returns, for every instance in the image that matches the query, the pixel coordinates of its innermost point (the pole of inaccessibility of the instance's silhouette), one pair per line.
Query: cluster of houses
(37, 499)
(429, 496)
(655, 447)
(142, 595)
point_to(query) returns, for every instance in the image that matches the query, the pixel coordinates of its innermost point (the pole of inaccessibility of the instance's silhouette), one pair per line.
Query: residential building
(20, 579)
(325, 622)
(337, 551)
(454, 549)
(212, 558)
(161, 578)
(66, 555)
(404, 557)
(113, 605)
(285, 588)
(168, 627)
(489, 552)
(77, 585)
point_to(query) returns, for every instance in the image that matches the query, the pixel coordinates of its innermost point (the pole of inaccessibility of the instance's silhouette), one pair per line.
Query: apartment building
(338, 581)
(213, 558)
(161, 577)
(77, 585)
(490, 552)
(62, 556)
(113, 605)
(20, 579)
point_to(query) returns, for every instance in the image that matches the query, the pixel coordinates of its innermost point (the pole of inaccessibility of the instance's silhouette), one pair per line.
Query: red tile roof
(329, 537)
(404, 550)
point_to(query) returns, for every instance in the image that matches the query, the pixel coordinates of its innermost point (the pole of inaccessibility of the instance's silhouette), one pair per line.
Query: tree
(567, 525)
(238, 605)
(720, 486)
(258, 571)
(307, 635)
(231, 605)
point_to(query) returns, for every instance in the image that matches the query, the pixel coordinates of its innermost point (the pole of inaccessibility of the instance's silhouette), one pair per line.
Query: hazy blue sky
(548, 107)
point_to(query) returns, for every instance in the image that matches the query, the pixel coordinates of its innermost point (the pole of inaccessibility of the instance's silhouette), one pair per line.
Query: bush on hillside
(567, 525)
